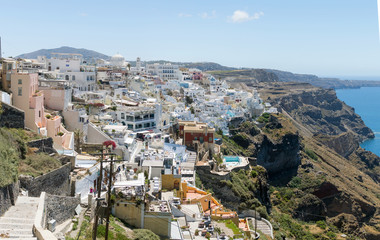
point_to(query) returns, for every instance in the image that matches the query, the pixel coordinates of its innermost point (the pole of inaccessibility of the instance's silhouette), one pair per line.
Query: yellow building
(170, 181)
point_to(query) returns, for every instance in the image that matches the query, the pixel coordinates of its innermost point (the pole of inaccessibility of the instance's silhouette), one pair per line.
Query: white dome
(116, 56)
(117, 60)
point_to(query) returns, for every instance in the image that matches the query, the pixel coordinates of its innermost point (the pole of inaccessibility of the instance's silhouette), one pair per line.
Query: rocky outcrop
(229, 192)
(344, 144)
(347, 223)
(309, 208)
(367, 162)
(278, 156)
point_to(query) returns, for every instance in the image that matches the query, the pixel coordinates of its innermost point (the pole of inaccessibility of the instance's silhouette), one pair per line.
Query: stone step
(21, 214)
(23, 199)
(16, 226)
(20, 237)
(17, 232)
(16, 220)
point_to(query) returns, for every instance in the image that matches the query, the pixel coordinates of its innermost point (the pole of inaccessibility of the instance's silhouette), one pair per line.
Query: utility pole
(95, 226)
(99, 189)
(109, 199)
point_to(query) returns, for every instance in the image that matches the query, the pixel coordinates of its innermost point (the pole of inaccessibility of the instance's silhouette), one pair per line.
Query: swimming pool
(231, 159)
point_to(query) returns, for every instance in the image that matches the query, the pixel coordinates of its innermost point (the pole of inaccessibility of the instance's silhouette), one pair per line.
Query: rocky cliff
(318, 110)
(333, 167)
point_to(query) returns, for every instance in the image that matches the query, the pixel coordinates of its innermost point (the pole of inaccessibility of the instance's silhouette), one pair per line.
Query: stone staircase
(18, 221)
(262, 226)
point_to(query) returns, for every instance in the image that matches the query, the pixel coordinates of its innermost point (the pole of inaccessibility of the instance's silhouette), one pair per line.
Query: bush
(321, 224)
(311, 154)
(262, 211)
(331, 235)
(264, 118)
(295, 182)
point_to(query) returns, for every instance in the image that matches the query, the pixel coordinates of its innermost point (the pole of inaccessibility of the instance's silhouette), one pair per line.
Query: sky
(322, 37)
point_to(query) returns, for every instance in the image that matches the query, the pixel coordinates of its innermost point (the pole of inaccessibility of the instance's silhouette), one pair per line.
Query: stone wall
(60, 208)
(8, 196)
(44, 145)
(56, 182)
(11, 117)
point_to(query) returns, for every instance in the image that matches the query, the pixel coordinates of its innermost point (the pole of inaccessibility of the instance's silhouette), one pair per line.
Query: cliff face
(330, 131)
(321, 112)
(278, 156)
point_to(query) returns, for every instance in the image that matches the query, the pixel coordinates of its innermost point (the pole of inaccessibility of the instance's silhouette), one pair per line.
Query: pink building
(196, 74)
(27, 96)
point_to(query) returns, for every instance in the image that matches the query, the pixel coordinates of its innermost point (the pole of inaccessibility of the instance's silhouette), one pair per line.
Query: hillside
(321, 183)
(252, 77)
(87, 54)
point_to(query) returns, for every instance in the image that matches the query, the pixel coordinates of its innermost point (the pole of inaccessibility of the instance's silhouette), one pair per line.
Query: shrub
(311, 154)
(295, 182)
(321, 224)
(60, 134)
(331, 235)
(262, 211)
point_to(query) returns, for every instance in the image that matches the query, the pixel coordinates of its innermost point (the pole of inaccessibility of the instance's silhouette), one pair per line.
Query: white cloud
(241, 16)
(185, 15)
(206, 15)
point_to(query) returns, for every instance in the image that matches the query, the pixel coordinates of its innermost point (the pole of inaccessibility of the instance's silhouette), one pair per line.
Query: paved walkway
(17, 222)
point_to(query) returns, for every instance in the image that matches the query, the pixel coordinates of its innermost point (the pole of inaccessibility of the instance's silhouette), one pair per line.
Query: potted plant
(48, 116)
(60, 134)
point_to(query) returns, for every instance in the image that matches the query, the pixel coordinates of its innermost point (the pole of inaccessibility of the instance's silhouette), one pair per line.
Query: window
(81, 119)
(122, 115)
(20, 81)
(20, 91)
(39, 113)
(130, 126)
(73, 77)
(67, 77)
(210, 140)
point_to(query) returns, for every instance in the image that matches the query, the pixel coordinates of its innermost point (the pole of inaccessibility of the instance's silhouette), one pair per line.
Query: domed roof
(117, 56)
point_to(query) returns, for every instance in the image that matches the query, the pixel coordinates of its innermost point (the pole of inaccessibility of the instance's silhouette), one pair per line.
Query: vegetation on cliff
(17, 158)
(325, 192)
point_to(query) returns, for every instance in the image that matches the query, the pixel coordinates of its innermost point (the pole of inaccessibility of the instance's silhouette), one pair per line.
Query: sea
(366, 102)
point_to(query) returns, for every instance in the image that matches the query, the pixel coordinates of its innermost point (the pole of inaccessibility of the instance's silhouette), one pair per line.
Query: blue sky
(323, 37)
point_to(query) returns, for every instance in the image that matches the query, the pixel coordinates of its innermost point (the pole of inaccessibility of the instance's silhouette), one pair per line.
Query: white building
(71, 68)
(165, 71)
(139, 118)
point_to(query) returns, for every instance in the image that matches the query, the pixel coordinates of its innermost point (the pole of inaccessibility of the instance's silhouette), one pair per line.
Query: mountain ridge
(248, 75)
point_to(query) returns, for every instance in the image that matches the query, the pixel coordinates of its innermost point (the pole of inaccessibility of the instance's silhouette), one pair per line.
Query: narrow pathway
(17, 222)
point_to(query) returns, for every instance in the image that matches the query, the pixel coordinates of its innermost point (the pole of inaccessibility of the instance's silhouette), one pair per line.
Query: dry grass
(38, 164)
